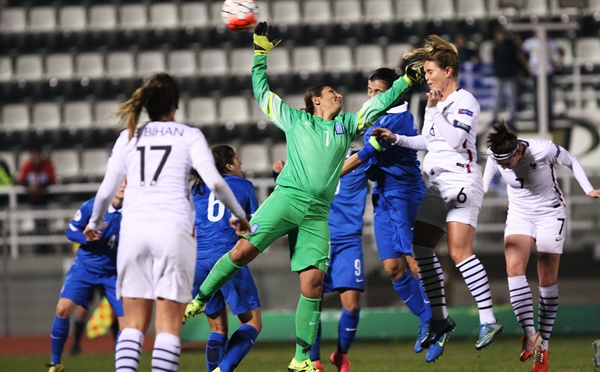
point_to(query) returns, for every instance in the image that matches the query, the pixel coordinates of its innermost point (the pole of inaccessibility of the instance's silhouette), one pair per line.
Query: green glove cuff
(407, 79)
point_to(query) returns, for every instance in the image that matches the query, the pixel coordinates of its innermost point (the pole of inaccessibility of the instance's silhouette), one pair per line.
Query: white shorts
(548, 231)
(452, 201)
(156, 260)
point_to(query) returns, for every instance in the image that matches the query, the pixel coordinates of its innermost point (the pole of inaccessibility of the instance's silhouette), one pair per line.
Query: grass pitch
(567, 353)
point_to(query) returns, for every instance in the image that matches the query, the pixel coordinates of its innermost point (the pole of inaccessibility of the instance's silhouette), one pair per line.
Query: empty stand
(255, 159)
(66, 165)
(72, 22)
(93, 164)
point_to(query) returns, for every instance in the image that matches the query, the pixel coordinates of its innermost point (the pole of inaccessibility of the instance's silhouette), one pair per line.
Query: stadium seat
(13, 25)
(307, 67)
(72, 23)
(441, 17)
(202, 111)
(59, 75)
(368, 58)
(566, 46)
(90, 72)
(255, 159)
(66, 165)
(286, 18)
(6, 69)
(164, 20)
(212, 70)
(93, 164)
(338, 64)
(590, 24)
(410, 17)
(587, 51)
(379, 15)
(354, 101)
(240, 73)
(102, 26)
(182, 65)
(150, 62)
(41, 28)
(233, 112)
(472, 17)
(534, 11)
(393, 53)
(317, 18)
(121, 73)
(15, 125)
(279, 69)
(133, 19)
(347, 18)
(46, 123)
(77, 123)
(194, 20)
(29, 72)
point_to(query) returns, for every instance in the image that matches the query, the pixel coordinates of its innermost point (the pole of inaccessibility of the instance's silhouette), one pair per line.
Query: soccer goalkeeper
(317, 140)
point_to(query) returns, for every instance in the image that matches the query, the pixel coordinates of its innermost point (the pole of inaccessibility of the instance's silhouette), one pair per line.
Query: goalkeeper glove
(414, 74)
(263, 39)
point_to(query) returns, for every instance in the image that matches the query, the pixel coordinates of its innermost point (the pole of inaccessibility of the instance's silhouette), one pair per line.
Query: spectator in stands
(534, 49)
(317, 139)
(36, 174)
(5, 175)
(467, 51)
(536, 217)
(509, 62)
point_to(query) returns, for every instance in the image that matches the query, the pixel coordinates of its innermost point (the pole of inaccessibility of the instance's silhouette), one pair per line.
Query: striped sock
(129, 350)
(432, 278)
(522, 303)
(547, 312)
(477, 281)
(165, 356)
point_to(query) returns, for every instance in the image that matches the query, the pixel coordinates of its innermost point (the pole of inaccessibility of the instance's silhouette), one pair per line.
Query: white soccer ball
(239, 14)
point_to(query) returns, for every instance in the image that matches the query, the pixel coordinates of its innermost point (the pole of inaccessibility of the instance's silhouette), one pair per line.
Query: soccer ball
(239, 14)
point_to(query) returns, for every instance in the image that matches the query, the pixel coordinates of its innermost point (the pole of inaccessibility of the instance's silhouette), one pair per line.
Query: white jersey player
(454, 197)
(157, 258)
(536, 216)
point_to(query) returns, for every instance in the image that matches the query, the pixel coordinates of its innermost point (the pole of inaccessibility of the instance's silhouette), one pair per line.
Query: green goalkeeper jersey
(316, 148)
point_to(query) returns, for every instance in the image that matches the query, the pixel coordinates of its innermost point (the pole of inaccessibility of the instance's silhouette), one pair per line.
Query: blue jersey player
(215, 237)
(345, 274)
(95, 265)
(398, 191)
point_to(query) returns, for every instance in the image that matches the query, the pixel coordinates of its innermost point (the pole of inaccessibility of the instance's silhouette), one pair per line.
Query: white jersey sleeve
(451, 128)
(491, 168)
(563, 157)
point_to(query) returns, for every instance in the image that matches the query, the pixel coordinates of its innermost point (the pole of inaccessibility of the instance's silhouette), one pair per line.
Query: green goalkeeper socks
(220, 274)
(308, 317)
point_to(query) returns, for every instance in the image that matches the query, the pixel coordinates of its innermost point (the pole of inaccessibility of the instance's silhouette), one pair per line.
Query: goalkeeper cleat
(55, 367)
(340, 361)
(303, 366)
(319, 365)
(436, 329)
(540, 360)
(435, 350)
(423, 329)
(192, 309)
(217, 370)
(530, 343)
(487, 332)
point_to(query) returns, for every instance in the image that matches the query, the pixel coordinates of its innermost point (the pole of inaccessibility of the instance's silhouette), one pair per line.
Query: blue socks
(315, 351)
(411, 292)
(239, 345)
(58, 338)
(215, 350)
(347, 329)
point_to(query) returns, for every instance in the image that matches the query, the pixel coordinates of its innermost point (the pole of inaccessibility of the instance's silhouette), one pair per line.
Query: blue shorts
(346, 269)
(240, 292)
(80, 283)
(393, 222)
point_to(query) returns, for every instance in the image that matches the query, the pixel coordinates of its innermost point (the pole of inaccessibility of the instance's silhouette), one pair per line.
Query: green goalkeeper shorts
(303, 217)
